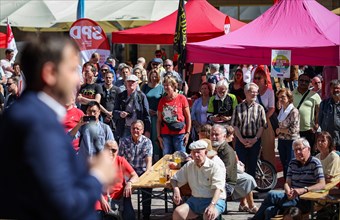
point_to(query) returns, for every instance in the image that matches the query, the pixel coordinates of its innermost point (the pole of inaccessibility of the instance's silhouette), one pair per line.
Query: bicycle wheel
(265, 176)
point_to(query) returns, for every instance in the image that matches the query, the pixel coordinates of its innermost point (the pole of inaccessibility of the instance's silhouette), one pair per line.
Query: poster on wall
(90, 38)
(281, 61)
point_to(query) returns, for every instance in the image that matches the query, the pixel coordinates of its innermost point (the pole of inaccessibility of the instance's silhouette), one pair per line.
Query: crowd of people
(140, 113)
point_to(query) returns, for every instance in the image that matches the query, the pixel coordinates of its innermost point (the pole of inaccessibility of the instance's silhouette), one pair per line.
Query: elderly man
(317, 85)
(249, 120)
(307, 102)
(90, 91)
(137, 150)
(329, 114)
(92, 134)
(207, 183)
(215, 76)
(131, 105)
(304, 174)
(238, 184)
(222, 105)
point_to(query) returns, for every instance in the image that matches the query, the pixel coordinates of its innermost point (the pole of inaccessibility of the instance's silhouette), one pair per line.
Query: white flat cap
(200, 144)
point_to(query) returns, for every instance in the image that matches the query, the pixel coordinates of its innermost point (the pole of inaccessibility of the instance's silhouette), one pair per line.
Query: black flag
(180, 39)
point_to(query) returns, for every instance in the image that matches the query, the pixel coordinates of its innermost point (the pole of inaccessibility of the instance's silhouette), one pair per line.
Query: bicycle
(265, 175)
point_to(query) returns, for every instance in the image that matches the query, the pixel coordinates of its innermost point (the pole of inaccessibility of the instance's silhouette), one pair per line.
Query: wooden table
(151, 180)
(322, 197)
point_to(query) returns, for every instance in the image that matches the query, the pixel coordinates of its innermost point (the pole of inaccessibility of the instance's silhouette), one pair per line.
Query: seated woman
(120, 191)
(244, 185)
(330, 160)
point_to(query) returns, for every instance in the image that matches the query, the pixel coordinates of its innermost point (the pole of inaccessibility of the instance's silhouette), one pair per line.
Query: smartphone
(89, 118)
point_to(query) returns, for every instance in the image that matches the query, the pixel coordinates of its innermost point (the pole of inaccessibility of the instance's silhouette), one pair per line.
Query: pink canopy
(203, 22)
(305, 27)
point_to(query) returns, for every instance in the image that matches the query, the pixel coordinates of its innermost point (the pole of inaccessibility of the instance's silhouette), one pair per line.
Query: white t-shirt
(4, 64)
(268, 99)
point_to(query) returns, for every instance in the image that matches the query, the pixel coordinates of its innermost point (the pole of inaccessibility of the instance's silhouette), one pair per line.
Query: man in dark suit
(41, 178)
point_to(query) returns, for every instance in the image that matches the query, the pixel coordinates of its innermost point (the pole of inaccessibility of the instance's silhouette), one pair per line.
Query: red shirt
(172, 111)
(71, 119)
(121, 168)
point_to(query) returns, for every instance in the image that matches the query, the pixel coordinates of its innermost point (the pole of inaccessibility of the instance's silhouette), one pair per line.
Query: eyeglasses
(257, 78)
(9, 84)
(304, 81)
(299, 149)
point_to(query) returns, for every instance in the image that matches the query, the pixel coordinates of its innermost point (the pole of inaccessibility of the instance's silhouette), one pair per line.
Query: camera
(89, 118)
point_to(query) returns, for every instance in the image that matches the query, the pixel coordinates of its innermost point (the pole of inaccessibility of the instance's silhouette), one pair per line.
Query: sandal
(253, 210)
(244, 208)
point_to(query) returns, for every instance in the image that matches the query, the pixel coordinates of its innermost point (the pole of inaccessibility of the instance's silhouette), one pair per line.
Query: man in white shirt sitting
(207, 183)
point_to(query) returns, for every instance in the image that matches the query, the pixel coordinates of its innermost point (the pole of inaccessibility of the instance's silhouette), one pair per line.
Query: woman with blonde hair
(173, 118)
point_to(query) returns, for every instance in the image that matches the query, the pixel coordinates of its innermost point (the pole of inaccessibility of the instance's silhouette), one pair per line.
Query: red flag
(11, 41)
(227, 25)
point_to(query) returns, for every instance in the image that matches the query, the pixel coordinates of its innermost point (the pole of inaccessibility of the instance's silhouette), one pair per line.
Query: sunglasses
(113, 150)
(154, 64)
(257, 78)
(9, 84)
(104, 70)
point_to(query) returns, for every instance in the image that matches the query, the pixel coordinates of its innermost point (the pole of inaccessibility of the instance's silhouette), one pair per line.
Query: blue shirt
(305, 175)
(136, 153)
(93, 137)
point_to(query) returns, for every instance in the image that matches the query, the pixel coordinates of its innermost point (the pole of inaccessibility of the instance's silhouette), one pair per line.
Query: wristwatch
(306, 188)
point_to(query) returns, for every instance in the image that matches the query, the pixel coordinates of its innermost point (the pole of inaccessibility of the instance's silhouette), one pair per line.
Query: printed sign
(281, 61)
(90, 38)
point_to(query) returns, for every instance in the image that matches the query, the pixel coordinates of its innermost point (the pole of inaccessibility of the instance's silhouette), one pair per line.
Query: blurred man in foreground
(41, 176)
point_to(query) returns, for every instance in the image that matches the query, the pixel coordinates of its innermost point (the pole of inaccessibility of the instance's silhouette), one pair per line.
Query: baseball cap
(157, 60)
(132, 78)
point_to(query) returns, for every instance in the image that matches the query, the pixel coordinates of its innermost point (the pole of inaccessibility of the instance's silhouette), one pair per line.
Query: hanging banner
(90, 38)
(281, 61)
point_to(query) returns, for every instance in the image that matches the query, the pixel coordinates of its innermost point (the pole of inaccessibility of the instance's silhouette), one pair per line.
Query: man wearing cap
(206, 180)
(131, 105)
(156, 63)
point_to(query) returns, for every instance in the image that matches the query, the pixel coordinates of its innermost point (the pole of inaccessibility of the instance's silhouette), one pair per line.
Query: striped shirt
(305, 175)
(249, 119)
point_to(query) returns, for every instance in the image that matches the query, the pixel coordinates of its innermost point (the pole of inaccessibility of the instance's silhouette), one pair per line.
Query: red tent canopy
(3, 43)
(203, 22)
(305, 27)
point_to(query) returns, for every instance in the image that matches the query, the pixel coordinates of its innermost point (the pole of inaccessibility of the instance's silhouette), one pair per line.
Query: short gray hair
(214, 66)
(223, 129)
(301, 141)
(222, 83)
(249, 85)
(335, 82)
(141, 60)
(170, 61)
(110, 143)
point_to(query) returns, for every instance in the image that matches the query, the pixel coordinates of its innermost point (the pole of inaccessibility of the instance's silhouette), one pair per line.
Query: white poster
(281, 61)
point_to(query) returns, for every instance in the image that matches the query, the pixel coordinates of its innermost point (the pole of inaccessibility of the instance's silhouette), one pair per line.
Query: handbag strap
(261, 103)
(303, 98)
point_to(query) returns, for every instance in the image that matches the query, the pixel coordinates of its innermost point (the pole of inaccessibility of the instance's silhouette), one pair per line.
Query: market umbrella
(59, 15)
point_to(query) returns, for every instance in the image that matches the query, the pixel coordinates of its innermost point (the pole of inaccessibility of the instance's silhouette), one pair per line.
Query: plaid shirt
(136, 153)
(249, 119)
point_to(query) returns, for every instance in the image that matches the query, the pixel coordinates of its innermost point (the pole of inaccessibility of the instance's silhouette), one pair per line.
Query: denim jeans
(173, 143)
(248, 156)
(286, 153)
(277, 201)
